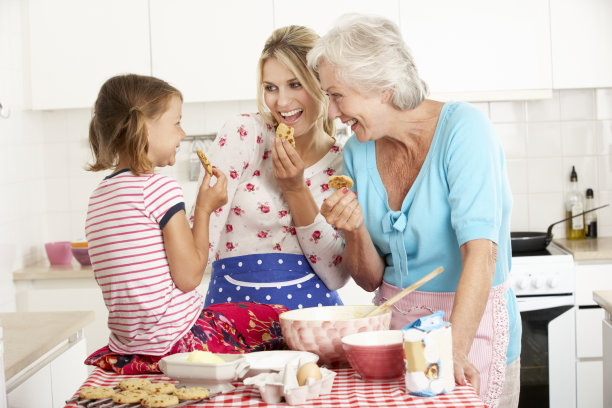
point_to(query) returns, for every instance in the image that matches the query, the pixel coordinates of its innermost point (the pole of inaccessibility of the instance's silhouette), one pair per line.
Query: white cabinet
(209, 50)
(54, 383)
(74, 46)
(590, 384)
(480, 49)
(321, 14)
(581, 43)
(607, 360)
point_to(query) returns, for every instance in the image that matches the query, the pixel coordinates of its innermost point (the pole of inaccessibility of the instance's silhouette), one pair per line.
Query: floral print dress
(256, 220)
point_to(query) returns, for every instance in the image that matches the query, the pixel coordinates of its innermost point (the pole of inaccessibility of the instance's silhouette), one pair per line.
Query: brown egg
(308, 370)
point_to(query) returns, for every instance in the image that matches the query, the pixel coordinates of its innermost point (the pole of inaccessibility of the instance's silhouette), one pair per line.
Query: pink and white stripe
(488, 352)
(147, 312)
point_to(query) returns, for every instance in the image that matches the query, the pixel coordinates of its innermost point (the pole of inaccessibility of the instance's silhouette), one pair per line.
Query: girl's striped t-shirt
(147, 313)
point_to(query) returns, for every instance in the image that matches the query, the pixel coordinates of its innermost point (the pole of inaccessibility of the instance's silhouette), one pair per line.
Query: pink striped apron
(488, 352)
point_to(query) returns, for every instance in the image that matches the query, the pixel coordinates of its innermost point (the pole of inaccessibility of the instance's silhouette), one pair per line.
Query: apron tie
(394, 223)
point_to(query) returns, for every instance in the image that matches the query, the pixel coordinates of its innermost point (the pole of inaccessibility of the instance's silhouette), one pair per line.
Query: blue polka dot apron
(285, 279)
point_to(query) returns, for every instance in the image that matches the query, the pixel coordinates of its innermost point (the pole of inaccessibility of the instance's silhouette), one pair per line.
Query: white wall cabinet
(320, 15)
(209, 50)
(480, 49)
(581, 43)
(74, 46)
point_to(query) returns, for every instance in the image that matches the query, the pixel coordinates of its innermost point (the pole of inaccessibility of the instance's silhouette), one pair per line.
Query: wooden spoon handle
(406, 291)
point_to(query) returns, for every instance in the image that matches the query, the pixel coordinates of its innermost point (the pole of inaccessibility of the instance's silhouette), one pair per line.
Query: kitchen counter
(44, 271)
(604, 299)
(588, 249)
(28, 337)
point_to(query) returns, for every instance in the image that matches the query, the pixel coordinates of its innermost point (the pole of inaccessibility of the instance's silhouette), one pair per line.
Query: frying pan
(538, 241)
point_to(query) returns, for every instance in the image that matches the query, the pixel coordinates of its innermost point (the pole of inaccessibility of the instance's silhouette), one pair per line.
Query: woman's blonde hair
(369, 54)
(118, 127)
(289, 46)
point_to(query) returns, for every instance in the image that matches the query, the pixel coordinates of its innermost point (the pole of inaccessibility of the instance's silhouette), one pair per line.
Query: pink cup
(59, 253)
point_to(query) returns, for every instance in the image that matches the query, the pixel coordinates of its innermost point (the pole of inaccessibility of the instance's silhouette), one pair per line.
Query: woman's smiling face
(363, 113)
(287, 99)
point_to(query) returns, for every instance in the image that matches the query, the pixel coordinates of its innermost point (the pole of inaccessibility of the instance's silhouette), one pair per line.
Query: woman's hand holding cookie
(287, 165)
(342, 210)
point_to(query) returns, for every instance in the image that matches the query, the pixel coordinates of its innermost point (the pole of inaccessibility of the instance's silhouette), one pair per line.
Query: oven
(544, 284)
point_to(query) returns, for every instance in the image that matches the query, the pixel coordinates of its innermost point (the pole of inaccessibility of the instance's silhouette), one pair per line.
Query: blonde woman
(269, 243)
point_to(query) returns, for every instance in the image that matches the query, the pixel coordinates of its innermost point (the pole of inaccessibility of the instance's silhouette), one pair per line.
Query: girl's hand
(211, 197)
(288, 166)
(342, 210)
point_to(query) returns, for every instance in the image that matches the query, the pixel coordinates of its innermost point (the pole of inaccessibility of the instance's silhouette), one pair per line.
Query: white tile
(544, 139)
(194, 118)
(57, 194)
(520, 213)
(579, 138)
(604, 171)
(513, 138)
(482, 106)
(577, 104)
(604, 136)
(544, 110)
(56, 160)
(517, 174)
(604, 216)
(544, 175)
(217, 113)
(603, 100)
(59, 226)
(507, 112)
(544, 209)
(249, 106)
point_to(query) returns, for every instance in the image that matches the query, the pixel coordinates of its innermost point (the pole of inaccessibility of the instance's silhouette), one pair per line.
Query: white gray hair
(368, 54)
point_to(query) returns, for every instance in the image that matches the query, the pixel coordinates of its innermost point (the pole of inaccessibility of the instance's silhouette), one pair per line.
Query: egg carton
(273, 393)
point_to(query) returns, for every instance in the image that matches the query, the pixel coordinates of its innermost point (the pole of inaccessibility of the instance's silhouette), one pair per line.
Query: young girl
(146, 258)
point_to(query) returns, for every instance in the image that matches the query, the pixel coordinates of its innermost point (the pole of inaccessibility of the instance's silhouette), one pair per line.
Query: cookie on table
(96, 392)
(133, 383)
(129, 396)
(205, 162)
(285, 132)
(159, 400)
(191, 393)
(160, 388)
(338, 182)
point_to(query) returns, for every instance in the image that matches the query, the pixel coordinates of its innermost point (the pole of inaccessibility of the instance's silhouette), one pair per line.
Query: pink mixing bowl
(376, 355)
(59, 253)
(320, 329)
(82, 255)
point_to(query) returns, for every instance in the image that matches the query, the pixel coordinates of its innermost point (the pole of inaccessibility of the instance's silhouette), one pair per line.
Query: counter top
(604, 299)
(29, 336)
(43, 270)
(588, 249)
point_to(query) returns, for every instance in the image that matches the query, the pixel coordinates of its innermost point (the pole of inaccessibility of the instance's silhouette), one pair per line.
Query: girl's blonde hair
(289, 45)
(118, 127)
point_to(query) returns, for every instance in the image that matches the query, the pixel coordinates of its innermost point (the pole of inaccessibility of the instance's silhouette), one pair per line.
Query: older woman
(430, 190)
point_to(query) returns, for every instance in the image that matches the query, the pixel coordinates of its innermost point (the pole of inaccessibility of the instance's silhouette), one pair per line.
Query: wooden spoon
(381, 308)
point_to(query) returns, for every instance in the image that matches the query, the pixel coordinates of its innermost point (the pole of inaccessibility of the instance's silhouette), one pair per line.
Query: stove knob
(553, 282)
(538, 283)
(522, 283)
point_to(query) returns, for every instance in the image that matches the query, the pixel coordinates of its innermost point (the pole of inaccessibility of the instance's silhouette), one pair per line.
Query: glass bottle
(573, 206)
(590, 219)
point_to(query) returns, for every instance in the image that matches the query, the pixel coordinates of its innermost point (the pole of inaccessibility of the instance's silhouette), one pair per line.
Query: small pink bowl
(82, 255)
(59, 253)
(376, 355)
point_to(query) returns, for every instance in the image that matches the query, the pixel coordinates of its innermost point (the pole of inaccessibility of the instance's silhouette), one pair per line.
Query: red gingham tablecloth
(348, 391)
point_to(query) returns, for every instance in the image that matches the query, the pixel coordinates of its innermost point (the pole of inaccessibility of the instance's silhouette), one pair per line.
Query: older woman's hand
(465, 371)
(288, 166)
(342, 210)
